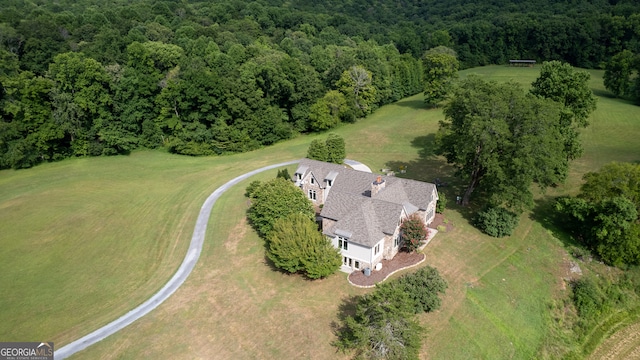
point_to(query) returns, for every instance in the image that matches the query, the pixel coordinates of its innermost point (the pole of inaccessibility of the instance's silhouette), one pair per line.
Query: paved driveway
(189, 262)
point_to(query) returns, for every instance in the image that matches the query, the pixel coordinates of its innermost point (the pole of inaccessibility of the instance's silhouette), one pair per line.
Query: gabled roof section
(350, 204)
(368, 220)
(331, 175)
(302, 169)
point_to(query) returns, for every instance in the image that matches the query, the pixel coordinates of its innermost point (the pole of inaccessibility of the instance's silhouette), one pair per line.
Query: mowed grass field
(85, 240)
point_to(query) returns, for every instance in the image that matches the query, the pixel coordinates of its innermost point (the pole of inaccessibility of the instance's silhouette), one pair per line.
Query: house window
(313, 181)
(329, 182)
(299, 176)
(342, 243)
(357, 265)
(396, 240)
(429, 215)
(376, 250)
(347, 261)
(312, 195)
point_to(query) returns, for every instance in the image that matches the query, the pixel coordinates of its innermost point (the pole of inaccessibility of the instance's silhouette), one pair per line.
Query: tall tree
(560, 82)
(355, 84)
(618, 71)
(440, 66)
(502, 140)
(81, 100)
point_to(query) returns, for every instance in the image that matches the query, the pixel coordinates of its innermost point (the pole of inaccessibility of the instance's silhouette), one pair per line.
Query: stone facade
(361, 212)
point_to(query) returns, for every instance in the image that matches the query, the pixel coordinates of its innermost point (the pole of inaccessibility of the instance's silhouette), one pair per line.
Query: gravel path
(189, 262)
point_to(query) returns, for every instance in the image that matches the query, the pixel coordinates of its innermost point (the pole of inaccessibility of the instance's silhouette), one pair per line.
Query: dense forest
(90, 77)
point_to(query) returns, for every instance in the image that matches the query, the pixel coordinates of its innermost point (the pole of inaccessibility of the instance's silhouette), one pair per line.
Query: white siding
(355, 251)
(363, 254)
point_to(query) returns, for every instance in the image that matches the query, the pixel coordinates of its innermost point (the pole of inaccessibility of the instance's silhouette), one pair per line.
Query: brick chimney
(377, 186)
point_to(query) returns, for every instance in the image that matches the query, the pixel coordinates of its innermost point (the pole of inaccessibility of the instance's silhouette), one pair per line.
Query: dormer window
(343, 243)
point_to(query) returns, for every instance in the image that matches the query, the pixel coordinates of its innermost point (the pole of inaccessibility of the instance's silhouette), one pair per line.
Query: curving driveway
(189, 262)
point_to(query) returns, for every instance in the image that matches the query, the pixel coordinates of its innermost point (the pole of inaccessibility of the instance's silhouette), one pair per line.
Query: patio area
(401, 261)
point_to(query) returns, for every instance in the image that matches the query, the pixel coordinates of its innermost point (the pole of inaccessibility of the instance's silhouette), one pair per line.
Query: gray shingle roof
(350, 204)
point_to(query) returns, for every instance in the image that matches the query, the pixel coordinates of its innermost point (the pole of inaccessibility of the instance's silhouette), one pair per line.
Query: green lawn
(85, 240)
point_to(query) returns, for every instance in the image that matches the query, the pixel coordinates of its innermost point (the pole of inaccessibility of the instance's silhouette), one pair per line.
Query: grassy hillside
(85, 240)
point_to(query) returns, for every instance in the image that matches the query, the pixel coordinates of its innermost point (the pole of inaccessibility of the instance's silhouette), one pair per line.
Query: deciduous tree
(618, 71)
(502, 140)
(440, 66)
(560, 82)
(355, 84)
(276, 199)
(383, 326)
(424, 288)
(604, 216)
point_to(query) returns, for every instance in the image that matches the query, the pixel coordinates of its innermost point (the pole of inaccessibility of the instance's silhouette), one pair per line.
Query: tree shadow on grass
(545, 214)
(603, 93)
(346, 309)
(417, 104)
(430, 167)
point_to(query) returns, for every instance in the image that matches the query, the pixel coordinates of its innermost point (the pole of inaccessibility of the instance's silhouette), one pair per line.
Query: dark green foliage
(296, 245)
(560, 82)
(614, 179)
(424, 287)
(605, 214)
(356, 84)
(276, 199)
(252, 188)
(496, 221)
(205, 79)
(440, 66)
(502, 140)
(618, 74)
(615, 231)
(330, 150)
(588, 298)
(336, 151)
(204, 82)
(318, 150)
(442, 203)
(383, 326)
(284, 174)
(414, 231)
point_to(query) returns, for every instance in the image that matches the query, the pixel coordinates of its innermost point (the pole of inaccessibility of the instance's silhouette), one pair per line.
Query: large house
(362, 212)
